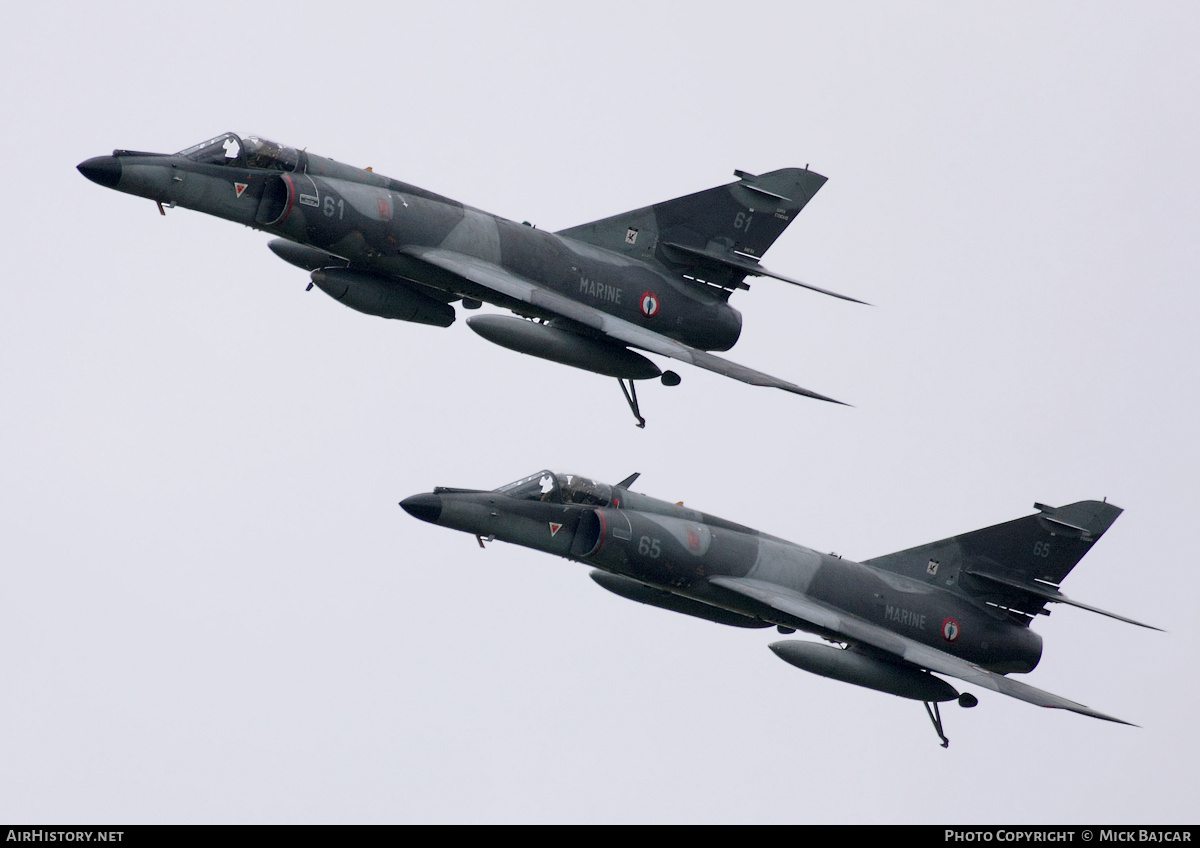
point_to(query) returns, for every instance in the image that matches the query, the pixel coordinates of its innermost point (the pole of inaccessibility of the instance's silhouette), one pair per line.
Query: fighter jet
(657, 279)
(959, 607)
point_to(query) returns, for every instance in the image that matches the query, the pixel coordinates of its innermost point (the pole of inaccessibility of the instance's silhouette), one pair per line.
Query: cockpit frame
(251, 152)
(556, 487)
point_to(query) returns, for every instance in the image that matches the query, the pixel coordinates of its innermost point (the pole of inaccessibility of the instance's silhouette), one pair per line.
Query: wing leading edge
(911, 651)
(497, 279)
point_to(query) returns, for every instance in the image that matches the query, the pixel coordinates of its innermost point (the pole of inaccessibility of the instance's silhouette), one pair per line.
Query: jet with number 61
(656, 279)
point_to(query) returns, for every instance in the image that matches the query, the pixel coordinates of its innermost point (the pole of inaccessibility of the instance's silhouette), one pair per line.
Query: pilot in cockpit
(253, 152)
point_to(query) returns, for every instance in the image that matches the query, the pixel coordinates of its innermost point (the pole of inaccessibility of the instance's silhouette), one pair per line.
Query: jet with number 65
(656, 279)
(960, 607)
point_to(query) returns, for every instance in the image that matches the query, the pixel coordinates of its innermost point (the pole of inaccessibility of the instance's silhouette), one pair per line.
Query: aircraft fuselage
(373, 223)
(680, 550)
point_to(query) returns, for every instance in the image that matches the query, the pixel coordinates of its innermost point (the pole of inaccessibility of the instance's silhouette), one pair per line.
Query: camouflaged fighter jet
(960, 607)
(657, 279)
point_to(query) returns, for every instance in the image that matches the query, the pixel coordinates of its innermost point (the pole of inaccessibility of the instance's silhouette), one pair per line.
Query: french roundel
(649, 304)
(949, 629)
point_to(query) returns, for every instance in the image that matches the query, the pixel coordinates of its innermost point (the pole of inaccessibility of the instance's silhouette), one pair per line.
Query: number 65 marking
(649, 547)
(1041, 549)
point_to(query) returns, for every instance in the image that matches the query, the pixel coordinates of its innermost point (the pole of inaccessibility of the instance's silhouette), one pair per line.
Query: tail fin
(1016, 566)
(745, 217)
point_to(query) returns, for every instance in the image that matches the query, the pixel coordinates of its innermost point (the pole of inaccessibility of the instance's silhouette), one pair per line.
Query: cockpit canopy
(553, 487)
(251, 152)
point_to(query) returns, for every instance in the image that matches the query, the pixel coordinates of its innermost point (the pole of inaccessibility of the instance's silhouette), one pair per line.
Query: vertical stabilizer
(743, 217)
(1016, 566)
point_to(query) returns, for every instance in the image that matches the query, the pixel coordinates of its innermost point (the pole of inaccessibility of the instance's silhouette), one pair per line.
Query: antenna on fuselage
(628, 481)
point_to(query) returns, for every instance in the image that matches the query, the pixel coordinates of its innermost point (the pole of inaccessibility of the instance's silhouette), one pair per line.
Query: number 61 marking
(329, 208)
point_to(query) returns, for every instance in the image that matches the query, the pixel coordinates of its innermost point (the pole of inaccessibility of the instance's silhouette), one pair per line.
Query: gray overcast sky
(214, 611)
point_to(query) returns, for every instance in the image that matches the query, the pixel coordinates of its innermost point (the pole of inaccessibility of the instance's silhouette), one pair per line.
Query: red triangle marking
(554, 528)
(240, 187)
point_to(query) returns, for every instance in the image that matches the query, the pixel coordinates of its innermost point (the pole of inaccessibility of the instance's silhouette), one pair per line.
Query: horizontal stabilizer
(747, 265)
(1051, 594)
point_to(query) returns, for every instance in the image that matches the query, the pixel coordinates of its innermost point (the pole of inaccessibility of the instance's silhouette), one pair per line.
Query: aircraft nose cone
(425, 507)
(104, 170)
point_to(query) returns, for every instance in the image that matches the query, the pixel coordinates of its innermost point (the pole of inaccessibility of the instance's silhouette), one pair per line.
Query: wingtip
(816, 396)
(1143, 624)
(1080, 709)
